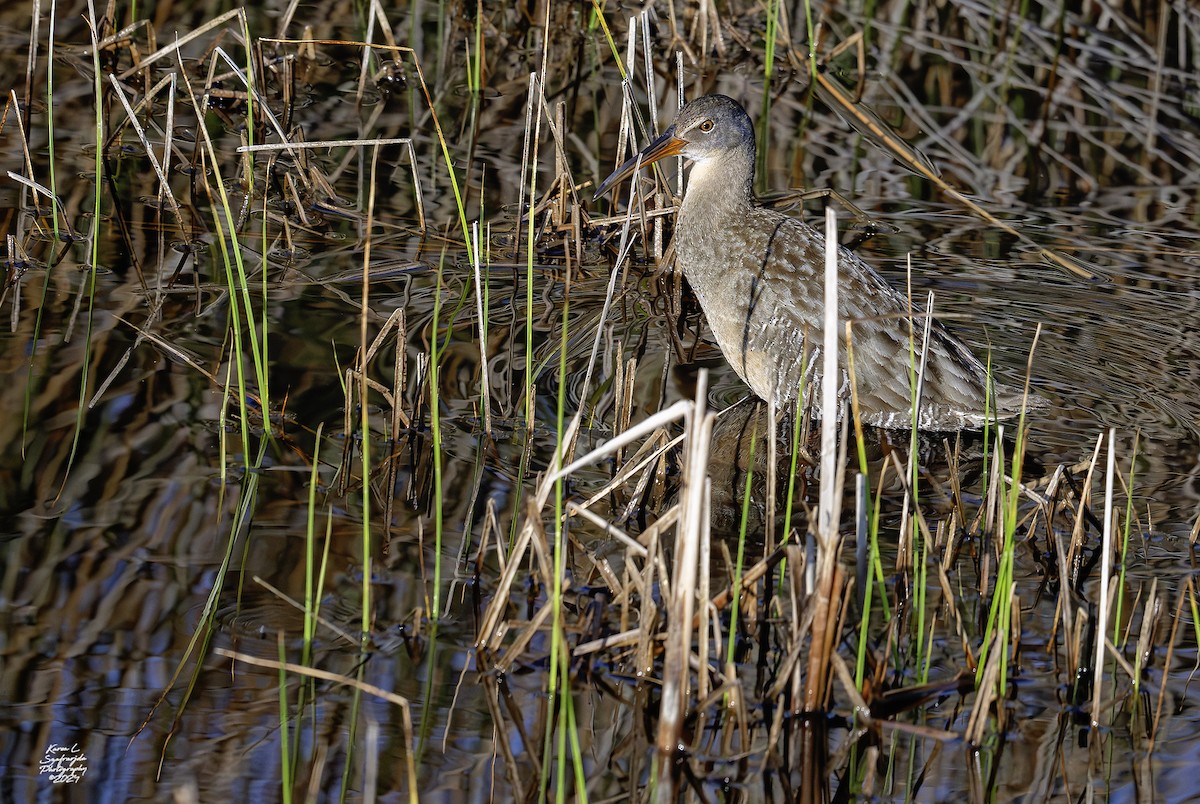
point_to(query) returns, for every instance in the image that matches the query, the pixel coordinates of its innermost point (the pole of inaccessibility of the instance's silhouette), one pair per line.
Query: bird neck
(721, 186)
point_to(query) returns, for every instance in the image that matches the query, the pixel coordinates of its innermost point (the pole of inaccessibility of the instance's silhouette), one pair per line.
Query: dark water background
(106, 568)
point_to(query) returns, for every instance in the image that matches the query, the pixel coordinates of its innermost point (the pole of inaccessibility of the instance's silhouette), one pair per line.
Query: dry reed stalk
(162, 166)
(608, 528)
(950, 602)
(31, 63)
(357, 381)
(993, 523)
(647, 635)
(828, 538)
(625, 133)
(1105, 572)
(347, 455)
(1162, 690)
(21, 119)
(686, 569)
(986, 692)
(909, 507)
(703, 593)
(311, 177)
(532, 535)
(40, 189)
(1115, 615)
(648, 454)
(179, 42)
(511, 768)
(1085, 495)
(1151, 612)
(1062, 609)
(485, 393)
(490, 631)
(398, 418)
(772, 475)
(554, 201)
(953, 466)
(18, 259)
(648, 70)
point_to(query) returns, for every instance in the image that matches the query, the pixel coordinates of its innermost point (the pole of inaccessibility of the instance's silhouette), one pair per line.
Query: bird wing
(787, 294)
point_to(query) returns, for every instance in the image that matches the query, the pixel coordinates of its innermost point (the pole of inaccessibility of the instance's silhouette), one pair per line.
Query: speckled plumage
(759, 277)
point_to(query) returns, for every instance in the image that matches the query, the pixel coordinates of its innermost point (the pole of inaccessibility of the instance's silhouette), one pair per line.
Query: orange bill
(666, 145)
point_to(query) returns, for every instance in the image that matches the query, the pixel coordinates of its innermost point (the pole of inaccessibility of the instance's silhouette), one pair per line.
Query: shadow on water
(152, 524)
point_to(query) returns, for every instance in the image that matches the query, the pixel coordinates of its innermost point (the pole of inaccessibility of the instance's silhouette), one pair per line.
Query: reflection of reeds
(741, 660)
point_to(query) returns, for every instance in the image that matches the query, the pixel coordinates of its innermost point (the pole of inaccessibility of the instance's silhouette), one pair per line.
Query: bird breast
(754, 274)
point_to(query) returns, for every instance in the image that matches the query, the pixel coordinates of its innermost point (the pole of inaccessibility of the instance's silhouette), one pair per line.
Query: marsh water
(125, 488)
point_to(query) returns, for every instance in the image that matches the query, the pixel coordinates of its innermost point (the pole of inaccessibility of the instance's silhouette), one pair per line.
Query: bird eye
(706, 126)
